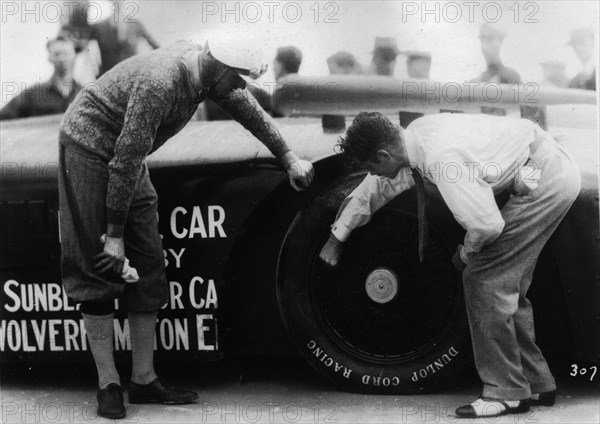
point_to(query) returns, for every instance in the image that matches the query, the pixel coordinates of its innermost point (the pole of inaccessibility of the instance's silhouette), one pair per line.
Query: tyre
(381, 321)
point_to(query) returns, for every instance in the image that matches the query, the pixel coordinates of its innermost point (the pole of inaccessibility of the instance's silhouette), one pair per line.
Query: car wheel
(381, 321)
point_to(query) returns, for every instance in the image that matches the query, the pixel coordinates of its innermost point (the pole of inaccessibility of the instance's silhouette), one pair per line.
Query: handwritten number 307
(575, 371)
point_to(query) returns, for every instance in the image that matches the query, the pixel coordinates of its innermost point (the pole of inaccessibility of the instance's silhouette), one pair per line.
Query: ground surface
(267, 391)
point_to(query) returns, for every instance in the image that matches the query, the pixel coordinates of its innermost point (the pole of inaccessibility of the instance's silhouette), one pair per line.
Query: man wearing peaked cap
(492, 37)
(105, 189)
(384, 56)
(245, 58)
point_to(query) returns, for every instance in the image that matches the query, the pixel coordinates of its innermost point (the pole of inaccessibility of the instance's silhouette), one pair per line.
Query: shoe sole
(138, 401)
(112, 417)
(505, 412)
(542, 403)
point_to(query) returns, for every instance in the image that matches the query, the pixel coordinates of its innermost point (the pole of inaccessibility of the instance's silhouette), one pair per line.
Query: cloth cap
(240, 53)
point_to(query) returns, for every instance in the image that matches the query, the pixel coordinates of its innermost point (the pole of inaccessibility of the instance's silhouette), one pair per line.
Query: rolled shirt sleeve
(145, 110)
(371, 195)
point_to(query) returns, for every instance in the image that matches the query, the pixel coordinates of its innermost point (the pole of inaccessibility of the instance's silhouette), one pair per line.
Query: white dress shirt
(468, 157)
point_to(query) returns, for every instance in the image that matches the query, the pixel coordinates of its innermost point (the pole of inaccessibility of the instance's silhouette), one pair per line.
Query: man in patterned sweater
(104, 188)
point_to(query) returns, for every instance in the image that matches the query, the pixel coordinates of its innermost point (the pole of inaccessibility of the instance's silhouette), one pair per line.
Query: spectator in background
(343, 63)
(491, 39)
(287, 61)
(554, 73)
(384, 56)
(118, 37)
(340, 63)
(75, 26)
(418, 63)
(53, 96)
(582, 42)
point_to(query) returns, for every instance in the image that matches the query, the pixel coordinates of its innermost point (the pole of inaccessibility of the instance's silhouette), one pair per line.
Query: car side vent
(25, 240)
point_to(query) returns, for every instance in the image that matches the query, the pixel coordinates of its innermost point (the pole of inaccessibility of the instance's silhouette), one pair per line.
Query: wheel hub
(381, 285)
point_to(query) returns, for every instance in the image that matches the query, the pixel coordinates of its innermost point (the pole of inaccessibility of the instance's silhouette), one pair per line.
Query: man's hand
(112, 258)
(459, 264)
(301, 174)
(331, 251)
(300, 171)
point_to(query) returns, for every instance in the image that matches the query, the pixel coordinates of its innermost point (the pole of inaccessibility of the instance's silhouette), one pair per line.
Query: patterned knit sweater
(137, 106)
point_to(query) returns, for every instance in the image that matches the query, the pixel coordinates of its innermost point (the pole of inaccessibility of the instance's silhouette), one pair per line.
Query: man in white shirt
(471, 158)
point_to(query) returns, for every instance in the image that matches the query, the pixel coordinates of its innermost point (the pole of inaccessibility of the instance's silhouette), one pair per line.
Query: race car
(241, 255)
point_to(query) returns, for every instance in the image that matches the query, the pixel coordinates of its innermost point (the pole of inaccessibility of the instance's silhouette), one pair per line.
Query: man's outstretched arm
(371, 195)
(244, 108)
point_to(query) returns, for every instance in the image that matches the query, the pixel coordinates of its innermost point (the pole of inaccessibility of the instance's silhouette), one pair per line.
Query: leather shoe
(158, 391)
(110, 402)
(490, 407)
(545, 398)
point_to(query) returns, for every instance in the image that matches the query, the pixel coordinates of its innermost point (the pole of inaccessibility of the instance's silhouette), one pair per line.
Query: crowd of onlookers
(89, 50)
(418, 63)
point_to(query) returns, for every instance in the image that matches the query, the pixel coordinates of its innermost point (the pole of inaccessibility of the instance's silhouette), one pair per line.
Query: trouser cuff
(543, 386)
(506, 394)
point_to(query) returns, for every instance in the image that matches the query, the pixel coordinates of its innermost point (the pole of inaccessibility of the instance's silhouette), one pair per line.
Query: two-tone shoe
(490, 407)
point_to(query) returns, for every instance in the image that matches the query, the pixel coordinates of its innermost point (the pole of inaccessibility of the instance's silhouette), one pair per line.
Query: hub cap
(381, 285)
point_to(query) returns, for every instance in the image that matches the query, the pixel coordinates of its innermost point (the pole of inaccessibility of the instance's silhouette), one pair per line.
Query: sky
(537, 31)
